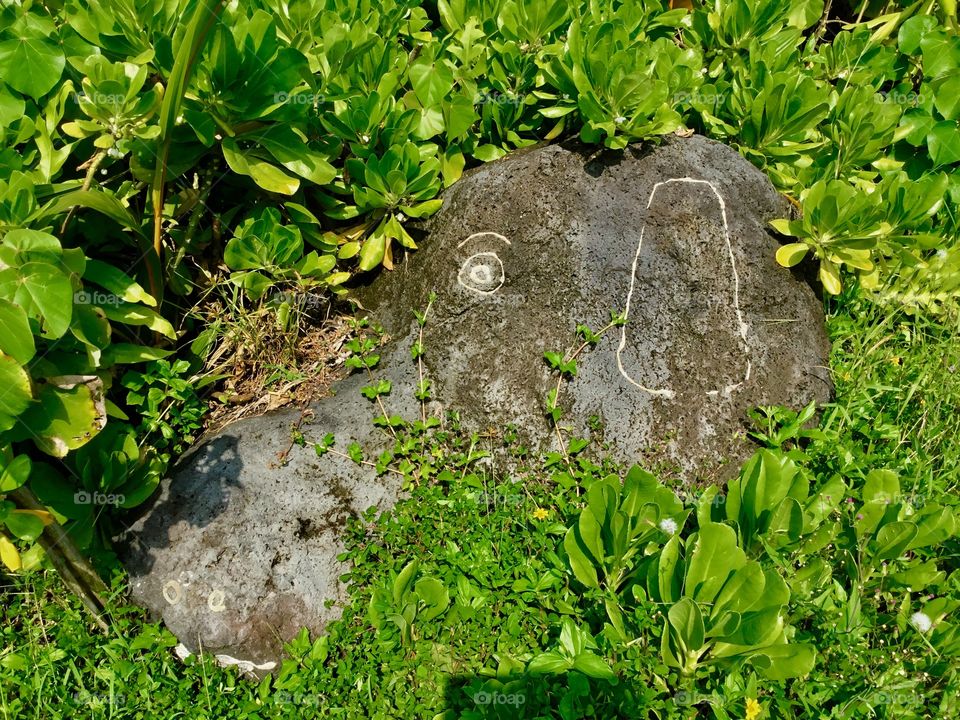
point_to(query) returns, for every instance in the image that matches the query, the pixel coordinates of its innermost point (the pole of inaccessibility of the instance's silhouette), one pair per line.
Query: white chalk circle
(482, 273)
(172, 592)
(741, 325)
(215, 601)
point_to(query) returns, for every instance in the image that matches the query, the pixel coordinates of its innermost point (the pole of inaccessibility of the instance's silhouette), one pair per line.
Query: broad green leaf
(943, 141)
(581, 565)
(830, 277)
(594, 666)
(715, 556)
(372, 251)
(892, 540)
(43, 291)
(117, 282)
(791, 254)
(404, 581)
(15, 392)
(99, 201)
(130, 314)
(15, 474)
(70, 412)
(685, 618)
(291, 151)
(31, 62)
(264, 174)
(781, 662)
(16, 338)
(432, 81)
(549, 663)
(24, 525)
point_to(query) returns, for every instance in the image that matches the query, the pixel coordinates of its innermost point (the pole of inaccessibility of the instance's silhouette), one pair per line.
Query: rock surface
(237, 553)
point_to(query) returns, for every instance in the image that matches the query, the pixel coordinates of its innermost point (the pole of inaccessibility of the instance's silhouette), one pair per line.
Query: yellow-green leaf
(9, 554)
(791, 254)
(830, 277)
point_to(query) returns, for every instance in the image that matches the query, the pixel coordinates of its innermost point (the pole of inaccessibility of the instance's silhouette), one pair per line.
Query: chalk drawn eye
(482, 273)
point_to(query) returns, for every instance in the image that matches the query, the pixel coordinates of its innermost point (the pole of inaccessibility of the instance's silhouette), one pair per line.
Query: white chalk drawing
(215, 600)
(247, 666)
(482, 273)
(172, 592)
(741, 325)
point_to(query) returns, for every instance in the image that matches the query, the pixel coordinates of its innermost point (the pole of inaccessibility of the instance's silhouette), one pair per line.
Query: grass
(494, 544)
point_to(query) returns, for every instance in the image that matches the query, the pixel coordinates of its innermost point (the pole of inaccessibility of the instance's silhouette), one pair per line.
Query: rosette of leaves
(866, 228)
(723, 608)
(398, 184)
(116, 110)
(612, 533)
(621, 83)
(772, 509)
(410, 598)
(264, 253)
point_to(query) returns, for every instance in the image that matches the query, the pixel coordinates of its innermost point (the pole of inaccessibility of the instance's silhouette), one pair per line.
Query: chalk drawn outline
(485, 253)
(741, 324)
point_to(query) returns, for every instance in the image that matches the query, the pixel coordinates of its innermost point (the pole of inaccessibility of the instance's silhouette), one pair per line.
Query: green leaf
(16, 339)
(16, 392)
(784, 661)
(291, 151)
(43, 291)
(715, 556)
(117, 282)
(593, 666)
(404, 581)
(549, 663)
(372, 251)
(791, 254)
(432, 81)
(264, 174)
(24, 525)
(830, 277)
(31, 62)
(943, 141)
(128, 354)
(15, 474)
(70, 412)
(99, 201)
(893, 539)
(687, 621)
(581, 565)
(130, 314)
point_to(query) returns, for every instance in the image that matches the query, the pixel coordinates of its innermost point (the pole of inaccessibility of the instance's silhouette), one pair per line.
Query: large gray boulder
(239, 551)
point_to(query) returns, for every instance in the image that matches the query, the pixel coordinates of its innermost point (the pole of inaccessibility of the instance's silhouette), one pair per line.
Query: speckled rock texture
(238, 552)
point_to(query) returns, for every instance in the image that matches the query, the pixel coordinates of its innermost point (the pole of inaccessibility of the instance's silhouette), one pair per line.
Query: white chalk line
(742, 326)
